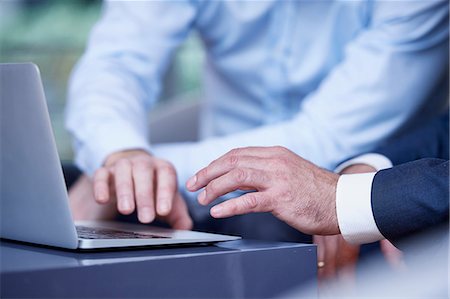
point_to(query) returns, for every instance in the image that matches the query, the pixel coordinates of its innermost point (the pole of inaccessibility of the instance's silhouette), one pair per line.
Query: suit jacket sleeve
(411, 197)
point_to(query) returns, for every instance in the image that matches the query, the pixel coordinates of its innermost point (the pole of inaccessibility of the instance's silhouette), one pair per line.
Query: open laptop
(33, 197)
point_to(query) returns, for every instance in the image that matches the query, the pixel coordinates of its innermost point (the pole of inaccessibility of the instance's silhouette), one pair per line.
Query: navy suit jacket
(414, 196)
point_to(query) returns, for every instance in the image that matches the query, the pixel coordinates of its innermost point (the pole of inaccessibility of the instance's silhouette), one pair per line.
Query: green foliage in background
(60, 24)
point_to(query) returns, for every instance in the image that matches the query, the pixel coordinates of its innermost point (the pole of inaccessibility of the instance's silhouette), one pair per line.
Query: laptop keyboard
(85, 232)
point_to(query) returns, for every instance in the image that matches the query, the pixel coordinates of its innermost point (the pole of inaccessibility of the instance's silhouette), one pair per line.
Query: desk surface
(235, 269)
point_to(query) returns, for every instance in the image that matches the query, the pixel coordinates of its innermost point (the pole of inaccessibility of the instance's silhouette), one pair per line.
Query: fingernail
(202, 196)
(163, 207)
(191, 182)
(125, 204)
(145, 215)
(101, 197)
(216, 211)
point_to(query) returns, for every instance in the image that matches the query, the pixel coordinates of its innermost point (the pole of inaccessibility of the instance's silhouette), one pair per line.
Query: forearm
(411, 197)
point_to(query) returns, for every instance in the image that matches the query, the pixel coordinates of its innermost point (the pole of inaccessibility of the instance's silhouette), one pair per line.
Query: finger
(392, 255)
(347, 258)
(318, 240)
(124, 187)
(178, 217)
(330, 256)
(144, 192)
(247, 203)
(238, 178)
(101, 185)
(348, 254)
(222, 166)
(166, 187)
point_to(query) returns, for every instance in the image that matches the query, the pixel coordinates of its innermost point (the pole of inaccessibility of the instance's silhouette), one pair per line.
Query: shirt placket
(280, 52)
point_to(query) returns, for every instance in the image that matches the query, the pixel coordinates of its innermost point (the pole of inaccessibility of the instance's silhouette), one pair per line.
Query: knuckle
(232, 160)
(250, 202)
(167, 185)
(100, 174)
(280, 148)
(123, 162)
(233, 209)
(203, 173)
(168, 168)
(142, 195)
(287, 196)
(235, 152)
(165, 192)
(165, 163)
(121, 195)
(240, 175)
(124, 187)
(211, 188)
(144, 165)
(283, 160)
(145, 205)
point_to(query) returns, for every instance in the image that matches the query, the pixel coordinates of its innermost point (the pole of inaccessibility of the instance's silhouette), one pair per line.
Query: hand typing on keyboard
(129, 181)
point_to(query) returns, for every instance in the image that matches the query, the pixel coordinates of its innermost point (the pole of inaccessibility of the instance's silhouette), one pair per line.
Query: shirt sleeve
(354, 203)
(118, 78)
(405, 47)
(354, 209)
(377, 161)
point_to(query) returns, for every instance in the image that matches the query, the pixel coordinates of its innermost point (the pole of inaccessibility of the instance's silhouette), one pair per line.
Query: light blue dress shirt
(326, 79)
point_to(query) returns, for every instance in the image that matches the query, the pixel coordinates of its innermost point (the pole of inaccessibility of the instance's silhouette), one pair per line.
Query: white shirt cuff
(354, 208)
(377, 161)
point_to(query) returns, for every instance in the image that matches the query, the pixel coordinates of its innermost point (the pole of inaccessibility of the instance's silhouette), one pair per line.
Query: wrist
(114, 157)
(331, 199)
(376, 161)
(328, 224)
(358, 168)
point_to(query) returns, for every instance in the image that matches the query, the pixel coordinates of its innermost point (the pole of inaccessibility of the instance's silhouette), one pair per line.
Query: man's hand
(291, 188)
(135, 180)
(339, 258)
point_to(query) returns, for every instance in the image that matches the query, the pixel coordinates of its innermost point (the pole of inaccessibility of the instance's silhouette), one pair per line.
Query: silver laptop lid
(33, 197)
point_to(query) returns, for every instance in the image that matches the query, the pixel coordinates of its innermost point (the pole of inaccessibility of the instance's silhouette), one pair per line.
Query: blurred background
(53, 34)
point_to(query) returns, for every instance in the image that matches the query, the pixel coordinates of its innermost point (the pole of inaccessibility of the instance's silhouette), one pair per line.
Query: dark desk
(236, 269)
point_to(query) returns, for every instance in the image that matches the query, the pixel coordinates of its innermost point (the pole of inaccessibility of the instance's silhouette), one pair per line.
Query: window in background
(53, 35)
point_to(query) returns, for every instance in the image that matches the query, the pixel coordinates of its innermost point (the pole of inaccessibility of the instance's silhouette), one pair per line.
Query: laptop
(34, 205)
